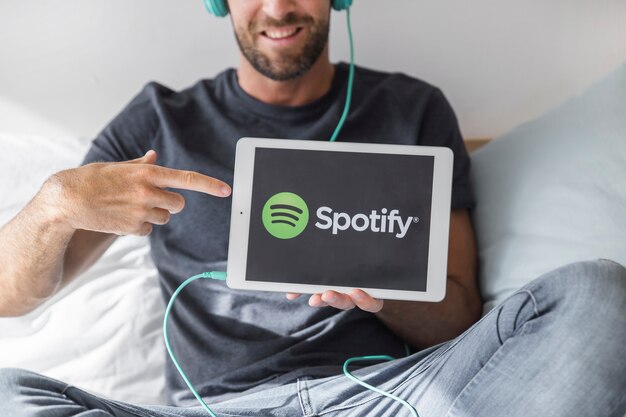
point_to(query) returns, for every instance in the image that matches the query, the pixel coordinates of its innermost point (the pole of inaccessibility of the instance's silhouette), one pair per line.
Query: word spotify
(377, 223)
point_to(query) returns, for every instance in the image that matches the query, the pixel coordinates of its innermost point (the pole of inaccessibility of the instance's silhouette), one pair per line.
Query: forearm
(424, 324)
(75, 217)
(32, 248)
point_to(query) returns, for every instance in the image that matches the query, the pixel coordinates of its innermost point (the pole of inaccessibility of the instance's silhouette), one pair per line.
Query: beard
(291, 64)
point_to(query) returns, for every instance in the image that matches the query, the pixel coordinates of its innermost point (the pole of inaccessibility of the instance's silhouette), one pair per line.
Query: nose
(277, 9)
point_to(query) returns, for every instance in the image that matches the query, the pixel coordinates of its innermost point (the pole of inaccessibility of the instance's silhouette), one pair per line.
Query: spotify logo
(285, 215)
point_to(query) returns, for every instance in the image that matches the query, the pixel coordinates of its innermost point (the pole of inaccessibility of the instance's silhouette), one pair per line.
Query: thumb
(150, 157)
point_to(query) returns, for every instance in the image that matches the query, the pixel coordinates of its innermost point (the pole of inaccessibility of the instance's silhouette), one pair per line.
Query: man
(253, 353)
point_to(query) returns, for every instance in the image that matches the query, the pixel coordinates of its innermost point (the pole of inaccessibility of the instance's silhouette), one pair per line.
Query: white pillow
(102, 332)
(553, 191)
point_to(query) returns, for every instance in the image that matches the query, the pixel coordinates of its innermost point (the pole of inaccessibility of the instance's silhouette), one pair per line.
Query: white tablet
(309, 216)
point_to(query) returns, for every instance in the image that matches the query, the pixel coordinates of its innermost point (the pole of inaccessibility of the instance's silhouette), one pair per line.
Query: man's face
(281, 39)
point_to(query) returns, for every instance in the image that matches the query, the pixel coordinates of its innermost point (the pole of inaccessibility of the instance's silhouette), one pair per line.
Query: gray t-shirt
(232, 341)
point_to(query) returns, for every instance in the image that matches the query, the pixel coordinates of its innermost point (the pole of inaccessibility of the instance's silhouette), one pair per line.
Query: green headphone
(219, 8)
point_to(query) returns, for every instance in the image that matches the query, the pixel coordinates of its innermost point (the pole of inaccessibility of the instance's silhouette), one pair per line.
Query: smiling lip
(282, 35)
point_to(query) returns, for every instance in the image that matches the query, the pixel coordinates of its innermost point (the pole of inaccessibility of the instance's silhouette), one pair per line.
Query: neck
(303, 90)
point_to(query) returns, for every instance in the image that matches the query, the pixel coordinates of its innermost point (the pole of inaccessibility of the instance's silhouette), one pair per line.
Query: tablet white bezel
(439, 222)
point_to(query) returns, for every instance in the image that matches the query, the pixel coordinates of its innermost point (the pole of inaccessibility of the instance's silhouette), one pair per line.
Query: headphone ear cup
(341, 4)
(217, 8)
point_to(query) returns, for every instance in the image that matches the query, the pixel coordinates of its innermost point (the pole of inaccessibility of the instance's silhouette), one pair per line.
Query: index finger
(190, 180)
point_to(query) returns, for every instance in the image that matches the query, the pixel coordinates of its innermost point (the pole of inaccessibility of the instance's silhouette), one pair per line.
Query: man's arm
(75, 217)
(39, 255)
(423, 324)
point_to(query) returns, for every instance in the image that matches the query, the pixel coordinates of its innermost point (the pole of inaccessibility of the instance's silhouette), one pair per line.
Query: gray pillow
(553, 191)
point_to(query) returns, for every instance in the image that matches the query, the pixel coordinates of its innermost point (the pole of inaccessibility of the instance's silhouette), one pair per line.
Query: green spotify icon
(285, 215)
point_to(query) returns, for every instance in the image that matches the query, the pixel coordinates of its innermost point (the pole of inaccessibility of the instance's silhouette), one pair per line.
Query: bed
(550, 192)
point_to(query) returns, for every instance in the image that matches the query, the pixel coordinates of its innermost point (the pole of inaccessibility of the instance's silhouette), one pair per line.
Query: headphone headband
(219, 8)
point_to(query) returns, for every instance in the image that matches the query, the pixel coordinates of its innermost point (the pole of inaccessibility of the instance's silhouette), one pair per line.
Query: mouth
(282, 34)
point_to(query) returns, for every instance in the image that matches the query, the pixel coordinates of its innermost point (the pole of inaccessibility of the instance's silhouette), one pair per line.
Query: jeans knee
(12, 380)
(594, 281)
(591, 294)
(27, 393)
(597, 283)
(12, 377)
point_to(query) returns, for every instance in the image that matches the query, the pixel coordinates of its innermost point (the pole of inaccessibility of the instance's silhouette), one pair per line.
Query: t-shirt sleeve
(130, 134)
(441, 128)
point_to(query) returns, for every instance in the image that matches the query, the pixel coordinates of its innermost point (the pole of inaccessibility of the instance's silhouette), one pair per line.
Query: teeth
(279, 34)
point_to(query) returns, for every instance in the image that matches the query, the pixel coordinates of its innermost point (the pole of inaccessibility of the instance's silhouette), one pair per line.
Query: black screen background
(346, 182)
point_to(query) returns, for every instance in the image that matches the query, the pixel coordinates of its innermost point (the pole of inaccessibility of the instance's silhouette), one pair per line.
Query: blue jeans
(557, 347)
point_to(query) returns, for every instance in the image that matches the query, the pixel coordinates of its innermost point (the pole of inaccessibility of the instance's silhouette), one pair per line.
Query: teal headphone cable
(346, 108)
(370, 387)
(220, 275)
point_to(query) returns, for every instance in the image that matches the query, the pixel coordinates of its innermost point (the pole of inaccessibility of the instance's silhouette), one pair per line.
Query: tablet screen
(351, 219)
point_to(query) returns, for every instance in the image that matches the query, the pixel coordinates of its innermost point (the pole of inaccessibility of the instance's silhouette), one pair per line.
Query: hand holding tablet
(312, 216)
(355, 298)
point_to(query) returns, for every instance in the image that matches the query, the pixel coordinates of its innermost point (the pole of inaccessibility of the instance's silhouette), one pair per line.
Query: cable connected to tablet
(220, 275)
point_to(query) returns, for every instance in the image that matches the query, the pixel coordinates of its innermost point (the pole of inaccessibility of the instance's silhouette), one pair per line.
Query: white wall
(68, 66)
